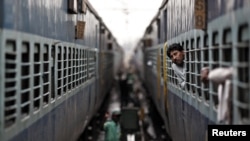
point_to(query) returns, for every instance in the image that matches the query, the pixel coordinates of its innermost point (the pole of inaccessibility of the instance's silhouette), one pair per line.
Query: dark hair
(173, 47)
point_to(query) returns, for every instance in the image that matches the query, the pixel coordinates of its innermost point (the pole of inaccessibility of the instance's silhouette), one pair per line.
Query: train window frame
(72, 6)
(59, 70)
(83, 6)
(65, 69)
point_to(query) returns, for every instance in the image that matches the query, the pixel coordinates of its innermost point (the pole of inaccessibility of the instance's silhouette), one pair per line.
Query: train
(58, 59)
(214, 34)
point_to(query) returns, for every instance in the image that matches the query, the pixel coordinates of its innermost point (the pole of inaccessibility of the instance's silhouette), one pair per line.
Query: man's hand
(204, 74)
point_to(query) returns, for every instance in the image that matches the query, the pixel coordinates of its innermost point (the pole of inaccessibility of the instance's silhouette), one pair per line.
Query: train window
(82, 6)
(187, 45)
(25, 104)
(214, 88)
(215, 49)
(79, 71)
(10, 110)
(109, 46)
(149, 29)
(81, 67)
(198, 42)
(147, 42)
(243, 33)
(205, 53)
(109, 36)
(25, 80)
(72, 6)
(226, 49)
(102, 29)
(77, 67)
(74, 68)
(227, 36)
(69, 68)
(206, 40)
(205, 49)
(192, 71)
(59, 71)
(85, 64)
(82, 64)
(45, 74)
(52, 73)
(198, 50)
(187, 61)
(243, 109)
(215, 38)
(65, 68)
(91, 64)
(183, 44)
(243, 78)
(198, 65)
(37, 76)
(37, 65)
(192, 44)
(243, 53)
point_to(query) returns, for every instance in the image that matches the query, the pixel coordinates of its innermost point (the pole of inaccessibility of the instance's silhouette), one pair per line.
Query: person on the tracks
(176, 53)
(112, 127)
(123, 84)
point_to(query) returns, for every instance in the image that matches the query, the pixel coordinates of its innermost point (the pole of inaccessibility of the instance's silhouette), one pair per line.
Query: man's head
(176, 53)
(116, 115)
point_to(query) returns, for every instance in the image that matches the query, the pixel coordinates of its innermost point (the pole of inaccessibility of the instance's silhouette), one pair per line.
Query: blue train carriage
(51, 68)
(214, 34)
(111, 56)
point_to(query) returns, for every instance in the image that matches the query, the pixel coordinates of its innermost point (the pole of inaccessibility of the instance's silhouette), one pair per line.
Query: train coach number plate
(80, 29)
(200, 14)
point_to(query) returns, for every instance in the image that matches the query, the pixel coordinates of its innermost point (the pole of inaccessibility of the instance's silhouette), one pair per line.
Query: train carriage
(214, 34)
(57, 58)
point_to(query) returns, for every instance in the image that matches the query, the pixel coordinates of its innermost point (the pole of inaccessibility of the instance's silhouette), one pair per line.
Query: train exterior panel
(214, 34)
(56, 65)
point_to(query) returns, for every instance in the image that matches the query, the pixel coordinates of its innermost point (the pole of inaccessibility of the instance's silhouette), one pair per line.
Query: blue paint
(61, 123)
(186, 123)
(48, 18)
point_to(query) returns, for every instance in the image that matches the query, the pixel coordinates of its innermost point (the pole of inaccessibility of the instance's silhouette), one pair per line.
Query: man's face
(177, 57)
